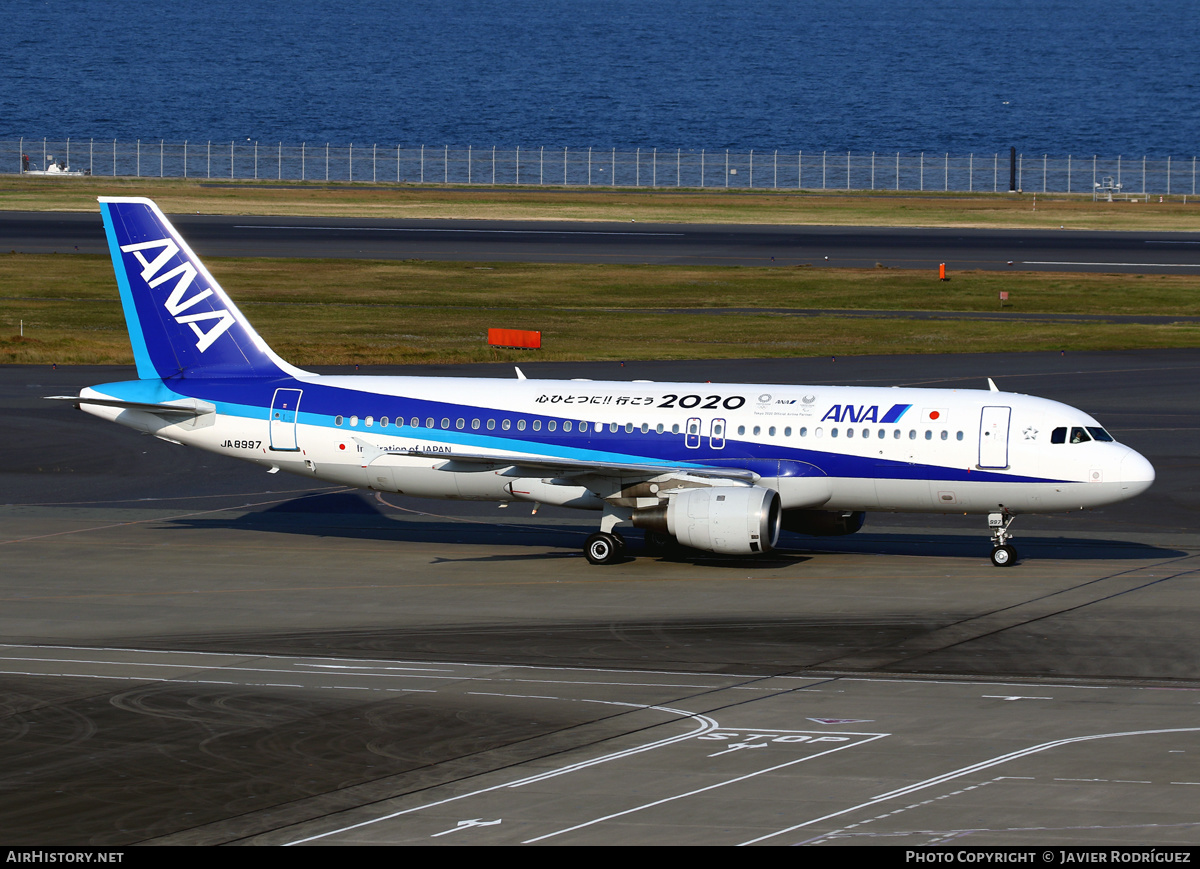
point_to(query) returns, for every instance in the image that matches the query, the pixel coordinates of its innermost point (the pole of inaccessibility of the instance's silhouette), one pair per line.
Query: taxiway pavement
(197, 652)
(577, 241)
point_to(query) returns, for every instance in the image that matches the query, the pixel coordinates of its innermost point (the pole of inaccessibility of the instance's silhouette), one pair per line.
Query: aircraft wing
(546, 463)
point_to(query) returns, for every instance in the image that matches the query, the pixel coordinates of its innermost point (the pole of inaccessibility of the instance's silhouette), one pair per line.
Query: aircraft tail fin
(181, 323)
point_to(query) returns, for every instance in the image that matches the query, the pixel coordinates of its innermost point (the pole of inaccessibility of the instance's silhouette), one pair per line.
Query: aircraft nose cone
(1137, 474)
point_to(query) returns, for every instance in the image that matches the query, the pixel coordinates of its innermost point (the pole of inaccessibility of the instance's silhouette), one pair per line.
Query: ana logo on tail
(176, 304)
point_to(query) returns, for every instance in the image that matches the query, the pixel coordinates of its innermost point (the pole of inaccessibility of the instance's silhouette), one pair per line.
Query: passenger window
(741, 429)
(787, 431)
(337, 420)
(520, 425)
(757, 430)
(506, 425)
(567, 425)
(414, 422)
(353, 421)
(383, 422)
(369, 421)
(459, 423)
(803, 431)
(928, 435)
(945, 434)
(675, 429)
(429, 422)
(1059, 435)
(537, 425)
(771, 431)
(849, 432)
(833, 432)
(474, 423)
(628, 427)
(491, 425)
(553, 424)
(959, 436)
(445, 422)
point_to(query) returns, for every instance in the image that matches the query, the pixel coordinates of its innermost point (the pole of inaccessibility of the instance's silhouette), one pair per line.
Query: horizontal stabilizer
(182, 407)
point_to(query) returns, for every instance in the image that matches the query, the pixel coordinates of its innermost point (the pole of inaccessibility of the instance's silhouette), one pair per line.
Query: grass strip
(658, 205)
(387, 312)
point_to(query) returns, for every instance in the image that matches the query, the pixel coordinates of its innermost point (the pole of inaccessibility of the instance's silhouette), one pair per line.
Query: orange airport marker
(519, 338)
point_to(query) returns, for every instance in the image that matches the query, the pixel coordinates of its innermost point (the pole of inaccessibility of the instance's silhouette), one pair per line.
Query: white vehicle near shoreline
(56, 168)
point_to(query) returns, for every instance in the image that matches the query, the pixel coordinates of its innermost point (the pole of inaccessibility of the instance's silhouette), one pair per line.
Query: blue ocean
(959, 76)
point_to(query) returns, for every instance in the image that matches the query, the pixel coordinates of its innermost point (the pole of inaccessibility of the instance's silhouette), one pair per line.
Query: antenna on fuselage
(520, 373)
(992, 385)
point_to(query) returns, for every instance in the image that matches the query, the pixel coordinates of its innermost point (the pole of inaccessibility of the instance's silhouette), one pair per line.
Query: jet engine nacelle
(823, 523)
(730, 520)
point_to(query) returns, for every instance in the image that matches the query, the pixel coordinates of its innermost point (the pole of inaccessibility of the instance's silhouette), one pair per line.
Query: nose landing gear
(1003, 553)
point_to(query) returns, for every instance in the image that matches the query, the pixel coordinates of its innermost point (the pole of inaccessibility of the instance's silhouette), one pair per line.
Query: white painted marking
(466, 825)
(967, 770)
(513, 696)
(738, 746)
(704, 724)
(693, 793)
(1034, 262)
(365, 668)
(434, 672)
(469, 231)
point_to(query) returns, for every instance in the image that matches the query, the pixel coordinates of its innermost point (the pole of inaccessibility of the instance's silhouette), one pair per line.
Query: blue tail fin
(180, 321)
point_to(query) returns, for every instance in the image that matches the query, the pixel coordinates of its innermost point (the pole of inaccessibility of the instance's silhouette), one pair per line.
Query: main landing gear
(604, 547)
(1004, 554)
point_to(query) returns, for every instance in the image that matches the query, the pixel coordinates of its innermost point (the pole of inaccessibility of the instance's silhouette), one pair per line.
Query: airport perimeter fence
(1122, 176)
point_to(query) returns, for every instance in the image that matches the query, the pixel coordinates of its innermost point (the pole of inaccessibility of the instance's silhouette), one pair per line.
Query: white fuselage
(832, 448)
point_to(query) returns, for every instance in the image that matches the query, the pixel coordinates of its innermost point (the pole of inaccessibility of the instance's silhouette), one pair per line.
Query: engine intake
(730, 520)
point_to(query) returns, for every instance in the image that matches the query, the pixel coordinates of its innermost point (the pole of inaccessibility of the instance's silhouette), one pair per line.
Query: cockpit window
(1100, 434)
(1059, 435)
(1079, 435)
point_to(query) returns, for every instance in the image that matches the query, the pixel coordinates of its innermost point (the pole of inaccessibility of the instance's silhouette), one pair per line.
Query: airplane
(721, 468)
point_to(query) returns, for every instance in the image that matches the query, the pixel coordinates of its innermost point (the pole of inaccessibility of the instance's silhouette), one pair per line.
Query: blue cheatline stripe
(141, 353)
(149, 390)
(532, 449)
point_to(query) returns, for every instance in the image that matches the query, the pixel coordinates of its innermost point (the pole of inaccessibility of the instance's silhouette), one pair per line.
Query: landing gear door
(993, 437)
(284, 408)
